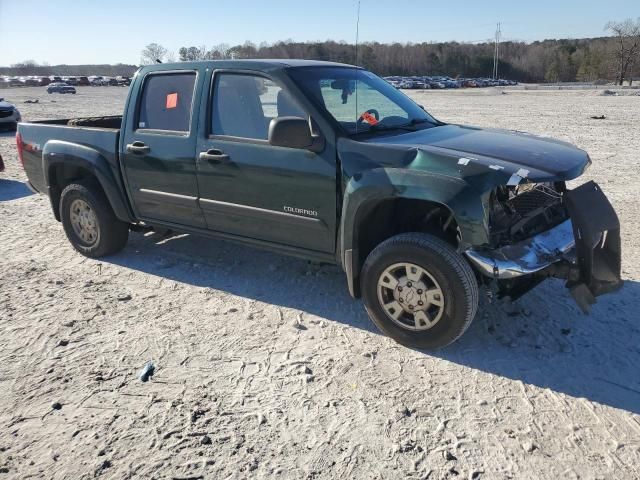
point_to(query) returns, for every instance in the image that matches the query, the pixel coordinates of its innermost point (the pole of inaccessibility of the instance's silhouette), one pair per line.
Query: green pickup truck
(329, 162)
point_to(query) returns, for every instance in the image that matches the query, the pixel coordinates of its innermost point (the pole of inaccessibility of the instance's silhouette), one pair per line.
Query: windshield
(359, 100)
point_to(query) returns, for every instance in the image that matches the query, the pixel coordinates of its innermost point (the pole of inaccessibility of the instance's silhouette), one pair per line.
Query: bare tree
(190, 54)
(152, 53)
(627, 34)
(171, 57)
(220, 51)
(24, 67)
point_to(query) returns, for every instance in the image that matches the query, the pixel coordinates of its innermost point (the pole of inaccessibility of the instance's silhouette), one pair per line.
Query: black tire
(112, 232)
(451, 271)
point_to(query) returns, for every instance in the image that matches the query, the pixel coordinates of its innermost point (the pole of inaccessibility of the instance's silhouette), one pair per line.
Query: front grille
(524, 211)
(538, 196)
(5, 113)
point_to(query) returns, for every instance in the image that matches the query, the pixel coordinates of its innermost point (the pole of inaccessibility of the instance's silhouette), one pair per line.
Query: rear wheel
(89, 221)
(418, 290)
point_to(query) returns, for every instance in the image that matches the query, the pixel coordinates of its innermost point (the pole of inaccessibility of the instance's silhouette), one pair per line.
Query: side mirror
(291, 132)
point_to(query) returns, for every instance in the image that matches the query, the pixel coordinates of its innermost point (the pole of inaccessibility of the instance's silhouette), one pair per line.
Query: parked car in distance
(96, 80)
(73, 81)
(83, 81)
(60, 87)
(9, 115)
(279, 154)
(442, 82)
(123, 81)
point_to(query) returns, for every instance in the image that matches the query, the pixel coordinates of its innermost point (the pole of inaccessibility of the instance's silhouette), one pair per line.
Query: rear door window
(166, 102)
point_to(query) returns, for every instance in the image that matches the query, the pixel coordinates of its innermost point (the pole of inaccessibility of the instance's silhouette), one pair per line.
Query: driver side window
(243, 105)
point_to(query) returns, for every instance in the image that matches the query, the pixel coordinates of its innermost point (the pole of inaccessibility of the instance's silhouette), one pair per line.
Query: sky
(116, 31)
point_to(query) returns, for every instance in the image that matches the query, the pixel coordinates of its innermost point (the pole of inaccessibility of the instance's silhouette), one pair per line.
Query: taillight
(20, 146)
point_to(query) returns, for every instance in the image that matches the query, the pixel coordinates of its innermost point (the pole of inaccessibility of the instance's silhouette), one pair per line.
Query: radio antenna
(357, 30)
(356, 62)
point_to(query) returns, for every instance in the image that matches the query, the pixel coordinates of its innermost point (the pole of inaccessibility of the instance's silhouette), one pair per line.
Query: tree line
(568, 60)
(616, 57)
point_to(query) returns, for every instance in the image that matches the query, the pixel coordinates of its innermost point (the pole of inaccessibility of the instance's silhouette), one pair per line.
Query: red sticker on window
(172, 100)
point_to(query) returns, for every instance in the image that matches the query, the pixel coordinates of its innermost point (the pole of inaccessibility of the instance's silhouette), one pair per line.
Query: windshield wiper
(381, 128)
(418, 121)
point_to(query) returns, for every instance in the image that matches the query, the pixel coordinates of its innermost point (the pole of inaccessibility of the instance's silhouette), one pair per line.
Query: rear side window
(166, 102)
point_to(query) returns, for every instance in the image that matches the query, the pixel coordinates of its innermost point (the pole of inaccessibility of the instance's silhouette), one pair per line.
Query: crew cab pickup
(331, 163)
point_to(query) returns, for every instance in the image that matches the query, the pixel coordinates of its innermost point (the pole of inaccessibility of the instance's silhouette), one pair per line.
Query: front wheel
(89, 221)
(419, 291)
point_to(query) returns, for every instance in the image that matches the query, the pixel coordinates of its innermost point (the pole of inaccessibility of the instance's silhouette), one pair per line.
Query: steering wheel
(371, 116)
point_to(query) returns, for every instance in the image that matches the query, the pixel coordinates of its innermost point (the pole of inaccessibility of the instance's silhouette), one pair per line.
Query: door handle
(138, 147)
(214, 155)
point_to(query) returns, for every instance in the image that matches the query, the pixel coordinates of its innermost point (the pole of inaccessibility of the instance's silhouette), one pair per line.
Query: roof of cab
(251, 64)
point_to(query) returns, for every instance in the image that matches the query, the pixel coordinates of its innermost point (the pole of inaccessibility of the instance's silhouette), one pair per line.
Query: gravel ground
(267, 368)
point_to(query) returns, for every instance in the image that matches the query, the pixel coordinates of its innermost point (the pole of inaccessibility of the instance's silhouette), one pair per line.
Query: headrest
(287, 107)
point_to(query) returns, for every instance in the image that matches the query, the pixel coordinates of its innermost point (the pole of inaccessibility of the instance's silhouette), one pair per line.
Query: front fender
(363, 191)
(60, 153)
(367, 189)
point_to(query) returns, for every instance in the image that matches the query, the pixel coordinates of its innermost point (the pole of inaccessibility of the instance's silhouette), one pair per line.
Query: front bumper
(584, 250)
(527, 257)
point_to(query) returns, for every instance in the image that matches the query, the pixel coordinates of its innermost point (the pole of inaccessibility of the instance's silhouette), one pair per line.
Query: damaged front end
(543, 230)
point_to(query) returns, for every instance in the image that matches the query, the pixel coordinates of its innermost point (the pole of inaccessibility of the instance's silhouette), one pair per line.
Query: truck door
(158, 148)
(255, 190)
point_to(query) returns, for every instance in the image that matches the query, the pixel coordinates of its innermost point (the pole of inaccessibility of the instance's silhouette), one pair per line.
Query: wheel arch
(374, 211)
(65, 162)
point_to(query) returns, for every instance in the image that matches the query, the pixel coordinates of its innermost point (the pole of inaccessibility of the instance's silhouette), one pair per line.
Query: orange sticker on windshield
(369, 118)
(172, 100)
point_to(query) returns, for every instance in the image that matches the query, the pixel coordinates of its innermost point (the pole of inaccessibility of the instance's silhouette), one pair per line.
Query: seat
(287, 106)
(237, 109)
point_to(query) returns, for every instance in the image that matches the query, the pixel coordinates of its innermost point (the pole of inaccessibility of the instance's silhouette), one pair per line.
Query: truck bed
(98, 133)
(113, 122)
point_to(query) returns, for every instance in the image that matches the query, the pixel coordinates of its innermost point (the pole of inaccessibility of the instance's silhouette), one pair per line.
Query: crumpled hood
(500, 150)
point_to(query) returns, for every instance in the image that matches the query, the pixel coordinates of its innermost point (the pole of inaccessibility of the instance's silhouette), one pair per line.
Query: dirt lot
(267, 368)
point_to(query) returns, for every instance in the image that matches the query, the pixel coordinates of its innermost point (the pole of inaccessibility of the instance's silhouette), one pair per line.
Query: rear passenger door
(251, 188)
(158, 148)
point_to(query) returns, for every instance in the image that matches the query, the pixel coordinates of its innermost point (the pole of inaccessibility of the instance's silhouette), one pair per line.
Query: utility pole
(496, 52)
